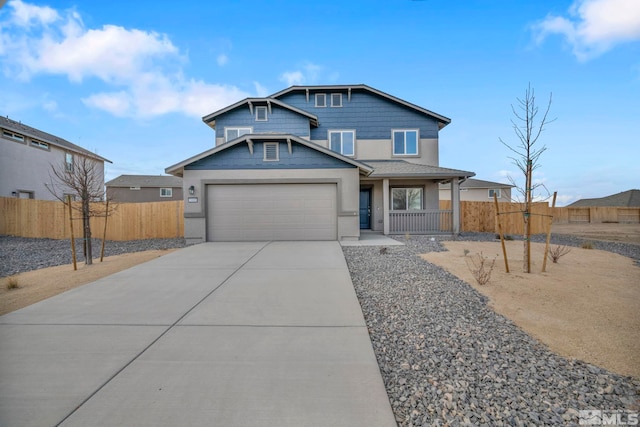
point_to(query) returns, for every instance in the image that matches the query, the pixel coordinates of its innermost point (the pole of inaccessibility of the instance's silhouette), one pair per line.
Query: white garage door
(271, 212)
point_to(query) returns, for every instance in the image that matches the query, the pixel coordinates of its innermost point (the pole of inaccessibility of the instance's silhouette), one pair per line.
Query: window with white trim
(405, 142)
(342, 141)
(321, 99)
(271, 151)
(233, 133)
(12, 135)
(404, 199)
(166, 192)
(336, 100)
(68, 162)
(39, 144)
(261, 114)
(495, 191)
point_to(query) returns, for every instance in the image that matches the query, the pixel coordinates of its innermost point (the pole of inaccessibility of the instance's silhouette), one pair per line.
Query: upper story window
(495, 191)
(321, 99)
(39, 144)
(68, 162)
(342, 141)
(12, 135)
(261, 114)
(336, 100)
(233, 133)
(166, 192)
(271, 152)
(405, 142)
(406, 199)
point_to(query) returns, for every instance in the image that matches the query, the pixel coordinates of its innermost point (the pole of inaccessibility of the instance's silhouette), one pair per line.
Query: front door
(365, 208)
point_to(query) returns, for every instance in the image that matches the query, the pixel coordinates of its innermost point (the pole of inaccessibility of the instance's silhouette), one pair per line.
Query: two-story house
(478, 190)
(27, 155)
(144, 188)
(319, 163)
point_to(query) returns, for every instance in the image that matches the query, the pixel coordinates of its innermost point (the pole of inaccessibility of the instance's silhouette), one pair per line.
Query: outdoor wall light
(192, 190)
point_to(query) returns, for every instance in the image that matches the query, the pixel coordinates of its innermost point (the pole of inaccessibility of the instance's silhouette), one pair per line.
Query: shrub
(586, 245)
(505, 237)
(556, 252)
(480, 267)
(12, 283)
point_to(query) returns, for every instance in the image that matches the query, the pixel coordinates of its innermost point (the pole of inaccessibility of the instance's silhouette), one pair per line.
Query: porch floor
(372, 238)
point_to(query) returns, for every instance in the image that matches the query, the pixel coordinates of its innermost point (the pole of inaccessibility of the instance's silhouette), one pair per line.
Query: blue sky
(131, 80)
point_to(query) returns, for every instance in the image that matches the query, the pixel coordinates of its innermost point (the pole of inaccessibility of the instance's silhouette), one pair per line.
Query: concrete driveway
(224, 334)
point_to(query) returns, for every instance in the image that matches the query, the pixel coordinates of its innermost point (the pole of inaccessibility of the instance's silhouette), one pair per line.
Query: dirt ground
(37, 285)
(625, 233)
(583, 307)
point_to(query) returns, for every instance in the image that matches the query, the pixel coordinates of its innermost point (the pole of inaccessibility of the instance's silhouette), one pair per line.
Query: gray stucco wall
(348, 188)
(24, 167)
(126, 195)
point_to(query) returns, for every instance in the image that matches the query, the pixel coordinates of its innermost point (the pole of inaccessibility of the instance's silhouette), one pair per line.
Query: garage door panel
(271, 212)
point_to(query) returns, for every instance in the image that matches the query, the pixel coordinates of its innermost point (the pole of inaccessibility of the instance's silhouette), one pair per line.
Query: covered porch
(400, 197)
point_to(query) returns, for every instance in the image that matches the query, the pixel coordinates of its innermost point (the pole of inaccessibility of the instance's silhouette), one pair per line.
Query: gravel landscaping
(19, 254)
(448, 359)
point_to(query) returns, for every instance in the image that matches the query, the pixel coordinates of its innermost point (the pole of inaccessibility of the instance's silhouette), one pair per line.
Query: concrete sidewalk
(224, 334)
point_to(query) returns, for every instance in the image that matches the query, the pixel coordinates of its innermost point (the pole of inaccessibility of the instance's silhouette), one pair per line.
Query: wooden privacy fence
(595, 214)
(128, 221)
(481, 217)
(133, 221)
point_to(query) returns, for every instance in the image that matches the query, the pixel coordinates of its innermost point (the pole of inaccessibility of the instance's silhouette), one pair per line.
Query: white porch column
(455, 205)
(385, 205)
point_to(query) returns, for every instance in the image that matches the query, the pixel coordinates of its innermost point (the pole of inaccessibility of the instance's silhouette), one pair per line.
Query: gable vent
(271, 151)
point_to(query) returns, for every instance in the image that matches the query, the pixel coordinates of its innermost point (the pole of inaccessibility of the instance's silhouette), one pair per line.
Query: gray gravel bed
(19, 254)
(448, 359)
(423, 244)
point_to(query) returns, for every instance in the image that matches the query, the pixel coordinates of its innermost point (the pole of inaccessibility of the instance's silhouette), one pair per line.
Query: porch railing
(421, 222)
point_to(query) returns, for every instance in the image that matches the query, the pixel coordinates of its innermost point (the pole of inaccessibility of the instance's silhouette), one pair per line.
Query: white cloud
(222, 59)
(292, 78)
(26, 14)
(116, 103)
(308, 74)
(565, 199)
(141, 69)
(50, 106)
(594, 26)
(260, 90)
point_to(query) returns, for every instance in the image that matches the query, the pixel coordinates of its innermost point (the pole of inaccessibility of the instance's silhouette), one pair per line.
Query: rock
(474, 367)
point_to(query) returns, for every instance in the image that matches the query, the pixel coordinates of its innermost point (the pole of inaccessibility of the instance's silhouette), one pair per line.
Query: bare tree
(528, 127)
(81, 177)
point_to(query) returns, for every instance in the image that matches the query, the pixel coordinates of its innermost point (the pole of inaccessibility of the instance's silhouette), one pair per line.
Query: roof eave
(178, 168)
(442, 120)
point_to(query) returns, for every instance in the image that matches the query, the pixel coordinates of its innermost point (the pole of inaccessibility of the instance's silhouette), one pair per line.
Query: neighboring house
(144, 188)
(477, 190)
(319, 163)
(27, 156)
(626, 199)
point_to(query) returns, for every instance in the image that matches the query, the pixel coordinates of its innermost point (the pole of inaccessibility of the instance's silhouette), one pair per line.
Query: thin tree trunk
(87, 233)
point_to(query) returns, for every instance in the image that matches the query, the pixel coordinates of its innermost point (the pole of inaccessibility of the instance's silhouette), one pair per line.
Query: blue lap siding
(280, 120)
(239, 157)
(372, 116)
